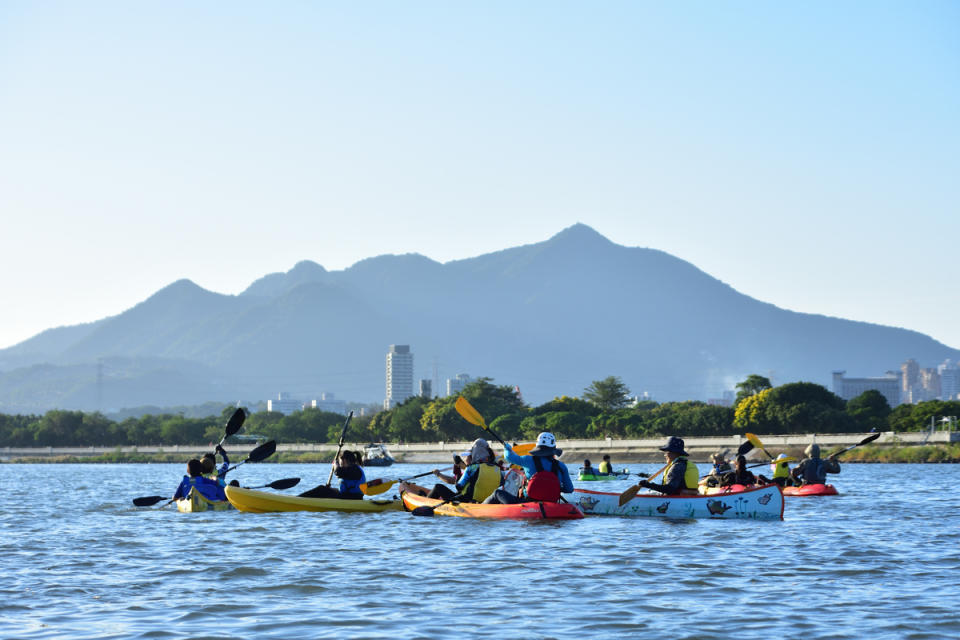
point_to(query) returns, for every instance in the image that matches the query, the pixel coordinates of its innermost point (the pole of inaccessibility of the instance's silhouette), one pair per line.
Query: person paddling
(548, 477)
(351, 475)
(740, 475)
(588, 470)
(478, 481)
(606, 467)
(781, 471)
(813, 469)
(194, 479)
(681, 476)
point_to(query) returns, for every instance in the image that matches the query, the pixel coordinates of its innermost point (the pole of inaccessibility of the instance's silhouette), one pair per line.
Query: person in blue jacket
(348, 469)
(540, 464)
(208, 488)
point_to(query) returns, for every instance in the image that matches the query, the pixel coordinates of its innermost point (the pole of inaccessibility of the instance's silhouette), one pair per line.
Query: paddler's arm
(511, 457)
(566, 484)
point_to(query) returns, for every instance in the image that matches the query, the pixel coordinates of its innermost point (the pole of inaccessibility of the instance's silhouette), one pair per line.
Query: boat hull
(254, 501)
(196, 501)
(811, 490)
(521, 511)
(753, 503)
(590, 477)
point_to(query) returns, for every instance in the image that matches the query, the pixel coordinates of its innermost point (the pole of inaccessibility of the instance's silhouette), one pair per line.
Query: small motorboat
(376, 455)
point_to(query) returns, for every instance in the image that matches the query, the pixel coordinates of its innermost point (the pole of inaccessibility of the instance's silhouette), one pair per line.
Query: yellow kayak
(264, 502)
(196, 501)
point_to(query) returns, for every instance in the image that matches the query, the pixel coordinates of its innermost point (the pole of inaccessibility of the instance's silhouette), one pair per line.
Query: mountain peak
(279, 283)
(580, 234)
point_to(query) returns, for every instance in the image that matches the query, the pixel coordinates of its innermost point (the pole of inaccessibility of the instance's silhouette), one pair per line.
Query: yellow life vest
(487, 481)
(605, 467)
(691, 478)
(781, 470)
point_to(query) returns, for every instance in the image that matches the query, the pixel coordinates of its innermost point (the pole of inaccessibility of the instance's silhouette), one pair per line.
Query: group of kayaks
(763, 502)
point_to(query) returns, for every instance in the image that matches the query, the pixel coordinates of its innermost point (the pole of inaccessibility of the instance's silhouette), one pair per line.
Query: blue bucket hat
(674, 445)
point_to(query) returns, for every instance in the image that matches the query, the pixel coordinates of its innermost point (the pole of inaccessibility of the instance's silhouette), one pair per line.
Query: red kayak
(523, 510)
(811, 490)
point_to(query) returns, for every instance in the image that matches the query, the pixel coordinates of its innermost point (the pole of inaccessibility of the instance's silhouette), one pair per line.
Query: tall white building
(399, 375)
(949, 380)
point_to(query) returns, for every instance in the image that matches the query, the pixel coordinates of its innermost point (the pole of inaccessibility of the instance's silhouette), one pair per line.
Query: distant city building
(456, 385)
(949, 380)
(284, 404)
(328, 402)
(929, 387)
(426, 389)
(725, 401)
(889, 386)
(909, 379)
(399, 375)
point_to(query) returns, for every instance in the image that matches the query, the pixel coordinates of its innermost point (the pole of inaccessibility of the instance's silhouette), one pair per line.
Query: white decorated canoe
(754, 503)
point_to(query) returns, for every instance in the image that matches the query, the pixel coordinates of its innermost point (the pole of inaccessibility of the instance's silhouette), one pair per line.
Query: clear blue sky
(805, 153)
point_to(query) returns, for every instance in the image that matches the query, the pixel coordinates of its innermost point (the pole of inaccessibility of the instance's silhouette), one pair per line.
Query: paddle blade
(754, 440)
(869, 439)
(524, 449)
(424, 511)
(286, 483)
(148, 501)
(262, 452)
(628, 495)
(235, 422)
(471, 415)
(745, 448)
(372, 489)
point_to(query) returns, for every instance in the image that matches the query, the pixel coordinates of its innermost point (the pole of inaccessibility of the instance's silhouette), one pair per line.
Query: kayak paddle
(148, 501)
(280, 485)
(429, 511)
(233, 424)
(471, 415)
(259, 454)
(379, 485)
(866, 440)
(755, 441)
(343, 434)
(628, 495)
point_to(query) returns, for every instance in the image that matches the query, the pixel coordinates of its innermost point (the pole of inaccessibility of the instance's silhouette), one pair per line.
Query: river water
(79, 561)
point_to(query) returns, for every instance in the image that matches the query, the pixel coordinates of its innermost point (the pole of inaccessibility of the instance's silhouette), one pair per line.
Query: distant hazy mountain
(549, 317)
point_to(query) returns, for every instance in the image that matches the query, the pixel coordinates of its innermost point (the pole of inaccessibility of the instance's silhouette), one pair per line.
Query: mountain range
(549, 317)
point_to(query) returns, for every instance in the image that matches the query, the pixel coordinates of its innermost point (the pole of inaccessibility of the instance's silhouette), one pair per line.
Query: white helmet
(546, 439)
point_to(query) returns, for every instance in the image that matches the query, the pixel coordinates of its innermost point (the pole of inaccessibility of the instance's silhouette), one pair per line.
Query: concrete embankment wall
(574, 451)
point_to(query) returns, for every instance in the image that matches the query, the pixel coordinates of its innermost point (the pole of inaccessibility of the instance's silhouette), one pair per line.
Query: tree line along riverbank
(604, 412)
(890, 447)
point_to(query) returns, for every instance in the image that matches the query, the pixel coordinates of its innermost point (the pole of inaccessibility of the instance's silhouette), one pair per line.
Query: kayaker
(681, 476)
(720, 468)
(458, 466)
(208, 488)
(813, 469)
(548, 477)
(740, 475)
(210, 469)
(587, 470)
(781, 471)
(351, 475)
(479, 480)
(606, 468)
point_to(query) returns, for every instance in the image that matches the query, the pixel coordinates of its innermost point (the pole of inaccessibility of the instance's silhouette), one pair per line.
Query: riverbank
(890, 447)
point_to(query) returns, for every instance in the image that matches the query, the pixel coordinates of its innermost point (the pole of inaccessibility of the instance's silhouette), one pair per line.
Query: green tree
(609, 394)
(869, 410)
(753, 385)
